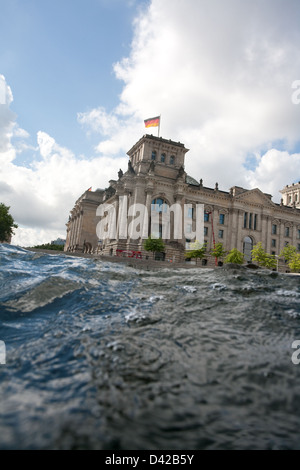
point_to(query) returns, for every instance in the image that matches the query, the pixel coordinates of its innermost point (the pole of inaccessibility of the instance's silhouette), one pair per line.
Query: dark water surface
(104, 356)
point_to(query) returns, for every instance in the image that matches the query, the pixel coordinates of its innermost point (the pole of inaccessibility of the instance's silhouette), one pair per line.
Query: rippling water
(104, 356)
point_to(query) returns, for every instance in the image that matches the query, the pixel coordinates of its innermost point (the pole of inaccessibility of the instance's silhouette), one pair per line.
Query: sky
(78, 78)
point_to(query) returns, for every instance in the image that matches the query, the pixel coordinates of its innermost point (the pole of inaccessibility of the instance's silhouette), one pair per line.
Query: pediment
(255, 196)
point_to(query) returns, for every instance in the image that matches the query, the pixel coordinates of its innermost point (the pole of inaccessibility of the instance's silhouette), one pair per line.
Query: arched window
(163, 158)
(172, 160)
(153, 156)
(247, 249)
(160, 205)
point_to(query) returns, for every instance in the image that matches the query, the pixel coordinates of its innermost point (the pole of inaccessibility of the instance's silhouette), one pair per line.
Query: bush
(197, 252)
(294, 263)
(155, 245)
(234, 256)
(262, 258)
(218, 251)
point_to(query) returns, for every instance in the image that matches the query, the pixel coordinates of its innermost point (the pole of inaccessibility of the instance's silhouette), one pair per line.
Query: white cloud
(29, 237)
(274, 171)
(118, 130)
(7, 121)
(41, 196)
(220, 73)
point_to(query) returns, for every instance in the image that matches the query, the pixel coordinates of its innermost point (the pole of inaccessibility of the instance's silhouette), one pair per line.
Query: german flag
(152, 122)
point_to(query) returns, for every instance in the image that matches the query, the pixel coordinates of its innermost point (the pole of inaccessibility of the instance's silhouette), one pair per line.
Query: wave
(105, 356)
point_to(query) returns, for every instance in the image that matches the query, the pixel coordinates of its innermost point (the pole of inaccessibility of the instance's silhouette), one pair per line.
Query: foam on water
(104, 356)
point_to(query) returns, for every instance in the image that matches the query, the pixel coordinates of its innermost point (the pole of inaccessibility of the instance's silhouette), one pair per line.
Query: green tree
(7, 223)
(262, 258)
(234, 256)
(292, 258)
(197, 251)
(155, 245)
(294, 263)
(218, 251)
(288, 253)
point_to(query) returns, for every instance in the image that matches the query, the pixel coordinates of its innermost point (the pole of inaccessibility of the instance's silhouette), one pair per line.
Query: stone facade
(291, 195)
(81, 227)
(239, 218)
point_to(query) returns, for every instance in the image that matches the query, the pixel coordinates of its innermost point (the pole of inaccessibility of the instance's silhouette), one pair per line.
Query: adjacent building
(238, 218)
(291, 195)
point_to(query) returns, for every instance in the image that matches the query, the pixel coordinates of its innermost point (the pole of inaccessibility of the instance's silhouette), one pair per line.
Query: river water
(104, 356)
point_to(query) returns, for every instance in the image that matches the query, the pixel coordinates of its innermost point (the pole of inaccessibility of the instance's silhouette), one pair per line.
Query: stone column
(179, 199)
(238, 230)
(267, 234)
(146, 224)
(138, 198)
(80, 226)
(294, 235)
(230, 226)
(73, 229)
(280, 237)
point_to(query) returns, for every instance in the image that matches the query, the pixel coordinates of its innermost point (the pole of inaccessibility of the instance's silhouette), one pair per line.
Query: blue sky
(58, 56)
(80, 76)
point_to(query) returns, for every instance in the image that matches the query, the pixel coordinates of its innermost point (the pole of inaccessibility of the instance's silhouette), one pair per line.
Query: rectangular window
(287, 232)
(205, 231)
(255, 222)
(250, 221)
(221, 233)
(298, 246)
(274, 229)
(245, 219)
(298, 234)
(222, 219)
(206, 217)
(273, 243)
(190, 213)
